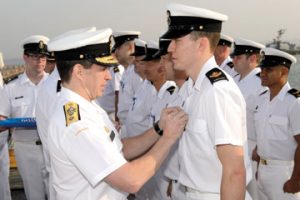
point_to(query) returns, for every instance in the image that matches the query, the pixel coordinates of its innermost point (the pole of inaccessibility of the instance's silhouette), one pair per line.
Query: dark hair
(65, 68)
(213, 38)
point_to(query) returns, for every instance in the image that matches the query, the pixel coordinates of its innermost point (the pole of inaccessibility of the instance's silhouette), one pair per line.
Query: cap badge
(41, 44)
(168, 17)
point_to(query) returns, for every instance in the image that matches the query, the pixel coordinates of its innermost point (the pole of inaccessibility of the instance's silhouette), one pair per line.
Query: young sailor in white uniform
(212, 153)
(19, 100)
(222, 54)
(277, 123)
(246, 57)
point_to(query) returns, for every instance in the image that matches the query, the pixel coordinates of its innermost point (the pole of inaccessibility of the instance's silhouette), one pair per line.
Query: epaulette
(58, 86)
(258, 74)
(171, 89)
(230, 64)
(6, 81)
(216, 75)
(294, 92)
(263, 92)
(72, 113)
(116, 69)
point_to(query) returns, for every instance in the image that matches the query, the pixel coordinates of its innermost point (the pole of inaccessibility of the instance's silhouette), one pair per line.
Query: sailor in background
(47, 95)
(140, 51)
(88, 159)
(19, 100)
(277, 123)
(246, 58)
(212, 153)
(4, 156)
(170, 167)
(131, 81)
(222, 54)
(50, 64)
(110, 99)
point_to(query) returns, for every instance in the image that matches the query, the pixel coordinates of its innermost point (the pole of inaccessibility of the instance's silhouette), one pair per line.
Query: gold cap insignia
(215, 74)
(106, 60)
(168, 17)
(41, 44)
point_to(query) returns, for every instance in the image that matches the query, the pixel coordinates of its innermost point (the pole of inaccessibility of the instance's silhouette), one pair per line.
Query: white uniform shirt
(19, 100)
(1, 80)
(161, 100)
(47, 95)
(130, 83)
(84, 152)
(277, 122)
(217, 115)
(107, 101)
(250, 87)
(138, 118)
(227, 66)
(170, 166)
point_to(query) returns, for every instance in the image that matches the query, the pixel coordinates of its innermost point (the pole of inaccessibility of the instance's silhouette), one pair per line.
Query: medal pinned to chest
(110, 133)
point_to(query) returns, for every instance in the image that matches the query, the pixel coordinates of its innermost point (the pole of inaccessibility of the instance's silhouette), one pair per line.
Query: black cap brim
(151, 57)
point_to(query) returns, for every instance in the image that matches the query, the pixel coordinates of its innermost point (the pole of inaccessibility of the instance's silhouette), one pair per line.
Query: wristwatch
(157, 129)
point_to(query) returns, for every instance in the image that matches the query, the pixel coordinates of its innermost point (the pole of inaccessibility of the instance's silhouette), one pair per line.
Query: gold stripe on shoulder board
(72, 113)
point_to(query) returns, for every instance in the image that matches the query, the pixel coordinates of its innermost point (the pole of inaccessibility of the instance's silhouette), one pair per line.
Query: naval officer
(88, 159)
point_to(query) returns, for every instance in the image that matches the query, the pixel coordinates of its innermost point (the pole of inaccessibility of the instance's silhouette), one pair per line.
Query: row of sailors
(141, 97)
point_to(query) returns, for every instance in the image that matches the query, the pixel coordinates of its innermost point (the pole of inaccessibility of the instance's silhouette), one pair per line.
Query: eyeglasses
(37, 56)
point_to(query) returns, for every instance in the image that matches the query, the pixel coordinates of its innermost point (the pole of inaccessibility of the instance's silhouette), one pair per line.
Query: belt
(202, 194)
(36, 142)
(275, 162)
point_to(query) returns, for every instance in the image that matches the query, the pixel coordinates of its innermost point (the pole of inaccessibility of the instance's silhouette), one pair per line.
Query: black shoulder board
(230, 64)
(294, 92)
(171, 89)
(258, 74)
(58, 86)
(116, 69)
(263, 92)
(6, 81)
(216, 75)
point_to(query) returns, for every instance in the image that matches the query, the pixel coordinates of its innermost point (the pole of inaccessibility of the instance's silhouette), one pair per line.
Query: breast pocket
(20, 107)
(279, 126)
(198, 134)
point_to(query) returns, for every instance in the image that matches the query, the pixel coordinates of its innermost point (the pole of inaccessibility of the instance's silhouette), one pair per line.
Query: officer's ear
(77, 71)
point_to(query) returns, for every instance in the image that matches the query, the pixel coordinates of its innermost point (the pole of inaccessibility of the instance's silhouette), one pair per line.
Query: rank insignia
(72, 114)
(230, 64)
(216, 75)
(116, 69)
(171, 89)
(294, 92)
(112, 136)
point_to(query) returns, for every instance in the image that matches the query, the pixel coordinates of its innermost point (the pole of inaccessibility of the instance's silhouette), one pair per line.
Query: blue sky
(256, 20)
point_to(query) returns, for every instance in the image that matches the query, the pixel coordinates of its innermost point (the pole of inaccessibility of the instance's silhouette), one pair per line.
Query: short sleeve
(5, 108)
(92, 151)
(294, 117)
(227, 116)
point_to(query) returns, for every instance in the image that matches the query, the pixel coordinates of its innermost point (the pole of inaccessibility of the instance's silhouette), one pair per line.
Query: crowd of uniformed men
(193, 115)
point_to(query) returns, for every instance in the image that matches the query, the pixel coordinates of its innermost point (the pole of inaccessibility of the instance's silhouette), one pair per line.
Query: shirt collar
(73, 96)
(227, 60)
(210, 64)
(25, 79)
(251, 74)
(164, 88)
(283, 91)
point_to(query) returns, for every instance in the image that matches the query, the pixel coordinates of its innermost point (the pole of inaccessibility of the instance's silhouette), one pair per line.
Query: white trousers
(271, 179)
(252, 185)
(30, 162)
(4, 168)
